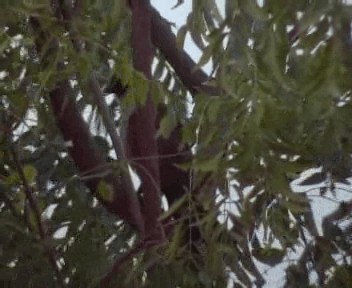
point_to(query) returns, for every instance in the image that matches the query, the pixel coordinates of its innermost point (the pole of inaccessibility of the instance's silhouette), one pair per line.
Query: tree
(97, 93)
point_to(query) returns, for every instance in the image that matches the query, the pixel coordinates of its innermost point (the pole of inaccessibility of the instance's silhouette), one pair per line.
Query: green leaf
(174, 207)
(213, 110)
(4, 43)
(13, 225)
(211, 6)
(30, 173)
(167, 125)
(297, 203)
(270, 256)
(257, 13)
(175, 247)
(342, 277)
(196, 25)
(205, 58)
(181, 36)
(105, 191)
(296, 207)
(208, 165)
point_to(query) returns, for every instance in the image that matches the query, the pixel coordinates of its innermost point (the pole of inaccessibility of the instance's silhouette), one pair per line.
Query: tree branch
(164, 39)
(82, 148)
(141, 129)
(107, 280)
(67, 15)
(344, 210)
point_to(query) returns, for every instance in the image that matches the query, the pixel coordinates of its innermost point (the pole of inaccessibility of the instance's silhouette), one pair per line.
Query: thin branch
(77, 7)
(344, 210)
(9, 203)
(108, 120)
(165, 40)
(106, 281)
(33, 204)
(29, 194)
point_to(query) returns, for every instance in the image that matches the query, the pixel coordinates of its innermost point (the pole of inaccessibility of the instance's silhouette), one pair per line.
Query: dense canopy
(123, 163)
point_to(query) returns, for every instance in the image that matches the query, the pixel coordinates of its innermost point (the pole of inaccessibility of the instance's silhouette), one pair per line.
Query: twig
(341, 212)
(106, 281)
(77, 7)
(8, 202)
(33, 204)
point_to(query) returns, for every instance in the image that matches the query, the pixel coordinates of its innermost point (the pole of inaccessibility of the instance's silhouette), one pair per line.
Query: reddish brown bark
(86, 157)
(174, 181)
(164, 39)
(141, 130)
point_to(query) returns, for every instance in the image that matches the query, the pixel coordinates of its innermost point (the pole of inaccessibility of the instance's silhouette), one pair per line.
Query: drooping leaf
(30, 173)
(269, 256)
(105, 191)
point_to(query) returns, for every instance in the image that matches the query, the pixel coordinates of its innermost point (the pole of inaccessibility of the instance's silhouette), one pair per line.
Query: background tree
(95, 93)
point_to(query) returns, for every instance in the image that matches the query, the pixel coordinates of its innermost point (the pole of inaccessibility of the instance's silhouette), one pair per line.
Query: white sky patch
(110, 240)
(135, 179)
(49, 211)
(60, 233)
(3, 74)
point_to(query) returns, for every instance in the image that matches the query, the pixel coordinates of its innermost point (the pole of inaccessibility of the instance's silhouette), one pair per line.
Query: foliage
(274, 123)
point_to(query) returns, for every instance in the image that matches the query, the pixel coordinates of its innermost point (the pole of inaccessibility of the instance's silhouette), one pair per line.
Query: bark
(165, 40)
(141, 130)
(86, 157)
